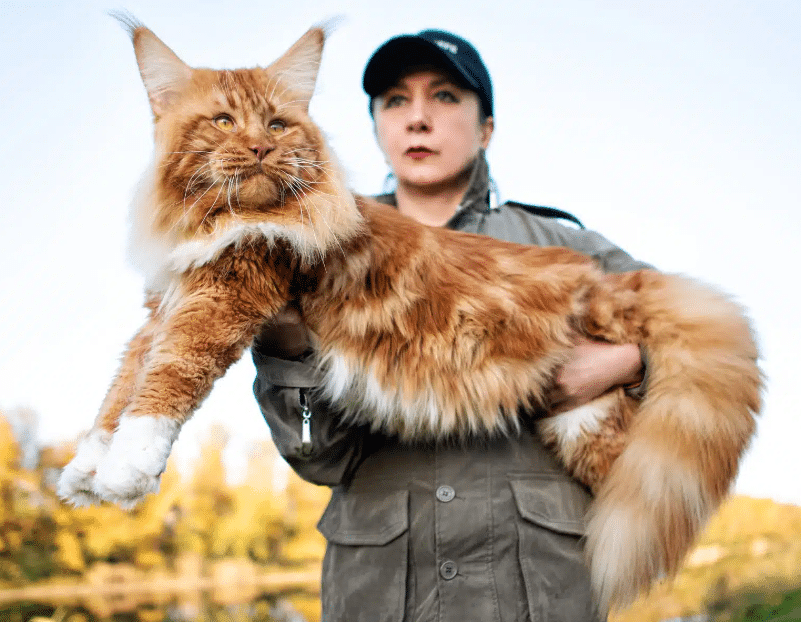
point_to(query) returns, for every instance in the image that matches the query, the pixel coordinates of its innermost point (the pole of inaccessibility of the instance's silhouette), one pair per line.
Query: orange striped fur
(422, 332)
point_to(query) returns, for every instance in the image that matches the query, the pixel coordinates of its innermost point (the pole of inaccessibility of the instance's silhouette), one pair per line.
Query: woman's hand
(286, 336)
(594, 368)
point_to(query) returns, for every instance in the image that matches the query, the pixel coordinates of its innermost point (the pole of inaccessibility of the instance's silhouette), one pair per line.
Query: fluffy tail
(687, 437)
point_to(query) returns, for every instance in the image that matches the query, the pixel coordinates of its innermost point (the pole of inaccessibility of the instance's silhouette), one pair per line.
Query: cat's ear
(164, 74)
(297, 68)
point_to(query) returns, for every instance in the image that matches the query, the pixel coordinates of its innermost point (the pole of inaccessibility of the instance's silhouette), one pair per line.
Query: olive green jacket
(488, 530)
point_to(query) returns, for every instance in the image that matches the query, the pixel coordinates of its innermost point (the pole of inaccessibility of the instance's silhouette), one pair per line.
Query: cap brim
(397, 55)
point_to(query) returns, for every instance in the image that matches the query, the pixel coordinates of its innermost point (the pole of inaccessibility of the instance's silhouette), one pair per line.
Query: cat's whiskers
(308, 186)
(298, 150)
(228, 197)
(211, 207)
(231, 186)
(236, 188)
(308, 164)
(289, 182)
(187, 192)
(197, 173)
(319, 164)
(333, 235)
(308, 190)
(189, 151)
(300, 196)
(289, 103)
(277, 82)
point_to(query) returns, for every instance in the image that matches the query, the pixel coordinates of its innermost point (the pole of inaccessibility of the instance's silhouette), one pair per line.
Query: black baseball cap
(428, 47)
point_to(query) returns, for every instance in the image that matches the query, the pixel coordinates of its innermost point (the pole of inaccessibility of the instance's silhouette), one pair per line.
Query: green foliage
(774, 602)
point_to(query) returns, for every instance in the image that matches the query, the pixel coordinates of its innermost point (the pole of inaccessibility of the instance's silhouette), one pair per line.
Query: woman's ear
(380, 144)
(486, 131)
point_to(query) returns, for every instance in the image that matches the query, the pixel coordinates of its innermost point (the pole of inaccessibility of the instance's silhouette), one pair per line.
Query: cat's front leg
(76, 483)
(209, 325)
(136, 458)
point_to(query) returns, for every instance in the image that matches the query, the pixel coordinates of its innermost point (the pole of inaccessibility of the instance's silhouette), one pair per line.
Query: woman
(486, 530)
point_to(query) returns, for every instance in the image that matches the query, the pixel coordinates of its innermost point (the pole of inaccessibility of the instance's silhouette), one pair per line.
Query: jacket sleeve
(610, 257)
(336, 450)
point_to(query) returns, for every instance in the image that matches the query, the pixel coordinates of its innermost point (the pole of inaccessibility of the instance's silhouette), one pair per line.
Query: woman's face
(428, 128)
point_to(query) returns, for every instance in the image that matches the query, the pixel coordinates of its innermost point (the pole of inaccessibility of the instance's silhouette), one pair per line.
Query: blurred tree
(208, 500)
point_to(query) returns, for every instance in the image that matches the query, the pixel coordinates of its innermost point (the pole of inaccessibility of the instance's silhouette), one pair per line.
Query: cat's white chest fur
(162, 258)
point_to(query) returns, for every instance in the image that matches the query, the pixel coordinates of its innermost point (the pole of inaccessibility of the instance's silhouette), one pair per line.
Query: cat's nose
(260, 151)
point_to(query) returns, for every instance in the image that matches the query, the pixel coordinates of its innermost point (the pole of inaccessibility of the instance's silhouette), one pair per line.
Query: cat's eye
(224, 122)
(276, 127)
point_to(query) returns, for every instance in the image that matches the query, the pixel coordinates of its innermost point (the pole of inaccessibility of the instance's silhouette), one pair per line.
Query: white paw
(76, 483)
(135, 460)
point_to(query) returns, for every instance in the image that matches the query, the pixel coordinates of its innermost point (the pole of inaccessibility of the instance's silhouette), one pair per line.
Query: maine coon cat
(422, 332)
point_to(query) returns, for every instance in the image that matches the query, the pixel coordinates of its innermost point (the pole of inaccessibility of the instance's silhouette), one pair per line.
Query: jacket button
(445, 493)
(448, 570)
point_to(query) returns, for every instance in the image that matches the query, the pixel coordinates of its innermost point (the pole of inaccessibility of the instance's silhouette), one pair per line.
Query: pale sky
(671, 128)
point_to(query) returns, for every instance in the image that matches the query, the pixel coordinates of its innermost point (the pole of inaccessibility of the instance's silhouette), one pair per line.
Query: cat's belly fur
(423, 412)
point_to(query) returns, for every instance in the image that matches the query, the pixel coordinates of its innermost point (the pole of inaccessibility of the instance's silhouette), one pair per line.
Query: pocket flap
(365, 518)
(553, 502)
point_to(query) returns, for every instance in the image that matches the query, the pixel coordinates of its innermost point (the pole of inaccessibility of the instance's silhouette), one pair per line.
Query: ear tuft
(165, 76)
(127, 21)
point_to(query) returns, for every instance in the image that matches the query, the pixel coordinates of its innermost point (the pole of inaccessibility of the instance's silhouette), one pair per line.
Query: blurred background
(671, 128)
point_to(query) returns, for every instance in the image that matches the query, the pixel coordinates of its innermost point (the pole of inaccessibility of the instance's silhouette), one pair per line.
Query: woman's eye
(394, 100)
(224, 122)
(446, 96)
(276, 127)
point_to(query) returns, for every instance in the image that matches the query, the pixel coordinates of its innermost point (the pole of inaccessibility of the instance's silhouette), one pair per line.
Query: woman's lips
(419, 153)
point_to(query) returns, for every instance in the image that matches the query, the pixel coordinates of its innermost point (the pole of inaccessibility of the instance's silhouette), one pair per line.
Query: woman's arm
(332, 452)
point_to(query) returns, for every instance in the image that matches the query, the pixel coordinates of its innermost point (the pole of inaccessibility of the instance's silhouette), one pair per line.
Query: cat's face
(237, 138)
(232, 144)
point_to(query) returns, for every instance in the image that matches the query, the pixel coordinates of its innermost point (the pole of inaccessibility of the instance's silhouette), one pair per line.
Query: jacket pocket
(365, 565)
(551, 524)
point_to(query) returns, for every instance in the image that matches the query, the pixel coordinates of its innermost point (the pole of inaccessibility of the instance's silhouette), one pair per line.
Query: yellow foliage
(749, 541)
(149, 558)
(70, 555)
(9, 448)
(307, 606)
(150, 614)
(310, 547)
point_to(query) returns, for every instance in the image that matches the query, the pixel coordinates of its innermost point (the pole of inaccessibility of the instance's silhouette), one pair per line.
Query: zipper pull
(305, 429)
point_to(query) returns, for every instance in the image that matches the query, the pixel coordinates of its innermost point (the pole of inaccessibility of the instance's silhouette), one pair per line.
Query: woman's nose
(419, 118)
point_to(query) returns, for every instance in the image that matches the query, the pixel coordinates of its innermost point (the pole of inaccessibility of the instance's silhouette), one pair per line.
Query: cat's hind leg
(588, 439)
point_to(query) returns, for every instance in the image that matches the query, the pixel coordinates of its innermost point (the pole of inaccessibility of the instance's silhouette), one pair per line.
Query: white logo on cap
(447, 46)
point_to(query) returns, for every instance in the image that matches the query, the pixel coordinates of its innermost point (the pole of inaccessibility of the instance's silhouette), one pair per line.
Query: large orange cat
(423, 332)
